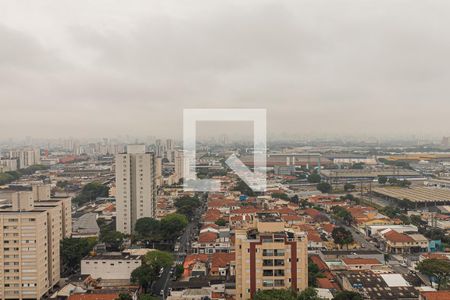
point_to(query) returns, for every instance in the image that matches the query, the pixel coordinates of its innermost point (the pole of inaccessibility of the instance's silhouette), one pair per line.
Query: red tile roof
(361, 261)
(319, 262)
(221, 260)
(244, 210)
(314, 237)
(191, 260)
(207, 237)
(312, 212)
(222, 203)
(438, 295)
(287, 218)
(435, 256)
(328, 227)
(324, 283)
(397, 237)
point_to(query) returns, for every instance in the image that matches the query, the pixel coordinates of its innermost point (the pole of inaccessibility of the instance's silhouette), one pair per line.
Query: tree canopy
(324, 187)
(113, 240)
(169, 228)
(437, 268)
(147, 228)
(275, 295)
(283, 196)
(172, 225)
(349, 187)
(148, 272)
(382, 179)
(347, 295)
(287, 294)
(314, 178)
(342, 236)
(90, 192)
(72, 250)
(343, 215)
(187, 205)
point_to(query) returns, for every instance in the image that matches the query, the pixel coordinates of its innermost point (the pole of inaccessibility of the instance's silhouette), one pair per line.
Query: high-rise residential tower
(30, 238)
(270, 255)
(135, 187)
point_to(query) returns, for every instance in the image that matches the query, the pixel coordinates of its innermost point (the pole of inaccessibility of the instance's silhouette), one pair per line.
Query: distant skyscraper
(27, 157)
(135, 187)
(159, 149)
(169, 145)
(179, 166)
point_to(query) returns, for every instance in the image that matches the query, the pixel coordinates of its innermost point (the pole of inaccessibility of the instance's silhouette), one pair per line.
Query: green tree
(313, 273)
(179, 270)
(324, 187)
(314, 178)
(144, 276)
(349, 187)
(62, 184)
(172, 225)
(72, 250)
(393, 181)
(152, 263)
(437, 268)
(404, 183)
(343, 215)
(283, 196)
(124, 296)
(358, 166)
(148, 229)
(391, 212)
(347, 295)
(158, 259)
(382, 179)
(275, 295)
(187, 205)
(308, 294)
(342, 236)
(113, 240)
(90, 192)
(9, 177)
(221, 222)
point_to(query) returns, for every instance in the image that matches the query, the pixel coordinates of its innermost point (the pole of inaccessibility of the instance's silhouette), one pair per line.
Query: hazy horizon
(352, 68)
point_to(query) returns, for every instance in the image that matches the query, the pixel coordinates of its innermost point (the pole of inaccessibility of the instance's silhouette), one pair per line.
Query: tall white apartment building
(30, 236)
(135, 187)
(10, 164)
(27, 157)
(179, 166)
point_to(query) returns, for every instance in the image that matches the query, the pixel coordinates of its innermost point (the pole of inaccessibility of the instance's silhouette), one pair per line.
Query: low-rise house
(115, 266)
(211, 242)
(399, 243)
(221, 263)
(361, 263)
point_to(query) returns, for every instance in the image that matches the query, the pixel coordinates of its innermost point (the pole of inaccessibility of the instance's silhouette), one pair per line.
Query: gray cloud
(84, 68)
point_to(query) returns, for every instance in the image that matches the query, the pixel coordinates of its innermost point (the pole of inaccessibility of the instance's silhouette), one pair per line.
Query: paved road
(185, 246)
(359, 237)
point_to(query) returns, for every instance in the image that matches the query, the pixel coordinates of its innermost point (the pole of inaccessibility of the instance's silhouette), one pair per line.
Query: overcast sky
(106, 68)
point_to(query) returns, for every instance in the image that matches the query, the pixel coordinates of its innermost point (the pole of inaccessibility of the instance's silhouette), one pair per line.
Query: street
(162, 284)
